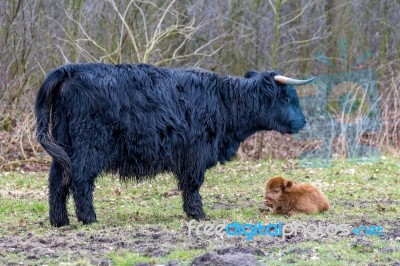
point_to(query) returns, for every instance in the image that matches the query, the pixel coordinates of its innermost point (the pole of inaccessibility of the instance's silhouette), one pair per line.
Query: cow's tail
(43, 109)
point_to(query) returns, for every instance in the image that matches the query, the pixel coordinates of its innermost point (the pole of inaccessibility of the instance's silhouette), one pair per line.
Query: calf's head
(275, 189)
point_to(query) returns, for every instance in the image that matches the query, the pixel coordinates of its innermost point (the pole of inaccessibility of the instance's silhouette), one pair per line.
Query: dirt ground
(155, 241)
(143, 224)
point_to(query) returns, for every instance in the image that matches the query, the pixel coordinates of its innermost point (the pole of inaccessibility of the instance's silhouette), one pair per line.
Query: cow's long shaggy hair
(140, 120)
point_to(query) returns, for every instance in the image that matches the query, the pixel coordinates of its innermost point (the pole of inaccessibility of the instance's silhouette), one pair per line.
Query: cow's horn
(290, 81)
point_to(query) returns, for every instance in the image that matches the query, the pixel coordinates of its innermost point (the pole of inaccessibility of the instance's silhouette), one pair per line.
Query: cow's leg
(58, 194)
(83, 196)
(192, 204)
(85, 169)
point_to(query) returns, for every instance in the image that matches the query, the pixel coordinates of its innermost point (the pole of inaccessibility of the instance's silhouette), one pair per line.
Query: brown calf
(287, 197)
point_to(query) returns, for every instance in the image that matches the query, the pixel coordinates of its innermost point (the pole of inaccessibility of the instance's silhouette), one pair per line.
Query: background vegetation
(300, 38)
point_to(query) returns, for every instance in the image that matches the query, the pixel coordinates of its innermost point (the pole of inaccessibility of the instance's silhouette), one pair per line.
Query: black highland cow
(141, 120)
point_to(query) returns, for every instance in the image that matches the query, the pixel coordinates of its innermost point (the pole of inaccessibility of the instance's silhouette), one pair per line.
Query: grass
(144, 223)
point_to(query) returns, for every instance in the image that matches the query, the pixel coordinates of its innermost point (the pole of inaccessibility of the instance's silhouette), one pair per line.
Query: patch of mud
(394, 233)
(389, 249)
(362, 244)
(391, 228)
(24, 194)
(224, 205)
(95, 245)
(243, 249)
(101, 262)
(379, 205)
(240, 256)
(305, 232)
(150, 241)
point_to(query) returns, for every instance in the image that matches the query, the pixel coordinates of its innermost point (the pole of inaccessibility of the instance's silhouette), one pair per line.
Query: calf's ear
(288, 184)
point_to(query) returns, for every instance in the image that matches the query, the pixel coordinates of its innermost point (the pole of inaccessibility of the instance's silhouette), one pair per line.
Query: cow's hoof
(198, 216)
(59, 223)
(88, 219)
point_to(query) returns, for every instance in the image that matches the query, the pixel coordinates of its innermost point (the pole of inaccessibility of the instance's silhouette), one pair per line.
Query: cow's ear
(288, 184)
(251, 73)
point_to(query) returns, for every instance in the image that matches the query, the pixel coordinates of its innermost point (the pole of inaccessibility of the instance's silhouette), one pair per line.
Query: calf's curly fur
(287, 197)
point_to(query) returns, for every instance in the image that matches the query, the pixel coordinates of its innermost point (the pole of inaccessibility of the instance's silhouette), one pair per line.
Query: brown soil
(155, 241)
